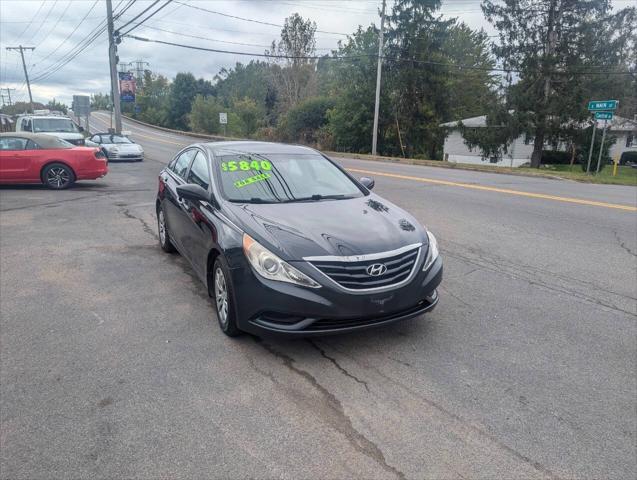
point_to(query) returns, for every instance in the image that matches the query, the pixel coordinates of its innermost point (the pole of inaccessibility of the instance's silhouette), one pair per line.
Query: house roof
(618, 124)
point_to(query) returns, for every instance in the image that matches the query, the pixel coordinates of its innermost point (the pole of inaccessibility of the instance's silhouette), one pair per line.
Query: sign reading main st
(602, 105)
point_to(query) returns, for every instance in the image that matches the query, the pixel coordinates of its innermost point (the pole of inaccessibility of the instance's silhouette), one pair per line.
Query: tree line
(550, 58)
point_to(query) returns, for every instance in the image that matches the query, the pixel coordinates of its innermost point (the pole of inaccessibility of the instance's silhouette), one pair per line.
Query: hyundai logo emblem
(376, 269)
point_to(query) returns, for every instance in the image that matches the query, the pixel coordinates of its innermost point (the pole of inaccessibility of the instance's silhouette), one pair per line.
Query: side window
(12, 143)
(182, 163)
(96, 139)
(199, 171)
(31, 145)
(26, 125)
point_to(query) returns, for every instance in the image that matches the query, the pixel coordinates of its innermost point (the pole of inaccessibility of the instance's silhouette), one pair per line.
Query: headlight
(114, 149)
(432, 253)
(269, 266)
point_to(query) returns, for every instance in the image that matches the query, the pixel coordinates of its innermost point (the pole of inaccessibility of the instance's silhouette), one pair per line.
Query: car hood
(65, 135)
(356, 226)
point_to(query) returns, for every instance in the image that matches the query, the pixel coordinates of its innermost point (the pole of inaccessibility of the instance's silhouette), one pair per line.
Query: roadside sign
(603, 115)
(223, 118)
(602, 105)
(81, 105)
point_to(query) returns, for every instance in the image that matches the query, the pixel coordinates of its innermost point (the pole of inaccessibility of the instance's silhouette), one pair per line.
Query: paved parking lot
(112, 364)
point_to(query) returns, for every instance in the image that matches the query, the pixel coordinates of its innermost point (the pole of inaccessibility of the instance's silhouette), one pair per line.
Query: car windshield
(279, 178)
(115, 139)
(54, 125)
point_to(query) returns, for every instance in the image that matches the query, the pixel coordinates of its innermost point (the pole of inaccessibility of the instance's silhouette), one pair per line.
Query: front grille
(355, 275)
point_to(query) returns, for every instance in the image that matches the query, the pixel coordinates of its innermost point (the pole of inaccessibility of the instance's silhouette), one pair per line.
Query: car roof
(41, 139)
(46, 117)
(262, 148)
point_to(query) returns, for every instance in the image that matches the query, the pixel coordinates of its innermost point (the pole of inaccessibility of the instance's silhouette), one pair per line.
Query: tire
(162, 229)
(222, 292)
(58, 176)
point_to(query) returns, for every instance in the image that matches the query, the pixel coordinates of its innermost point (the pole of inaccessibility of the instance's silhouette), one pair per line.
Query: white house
(519, 152)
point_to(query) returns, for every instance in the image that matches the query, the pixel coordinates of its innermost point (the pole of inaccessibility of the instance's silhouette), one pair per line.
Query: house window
(630, 140)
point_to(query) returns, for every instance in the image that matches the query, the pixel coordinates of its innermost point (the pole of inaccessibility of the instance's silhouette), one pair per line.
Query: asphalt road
(112, 364)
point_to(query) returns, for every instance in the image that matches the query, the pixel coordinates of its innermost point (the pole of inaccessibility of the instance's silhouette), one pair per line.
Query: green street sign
(603, 115)
(602, 105)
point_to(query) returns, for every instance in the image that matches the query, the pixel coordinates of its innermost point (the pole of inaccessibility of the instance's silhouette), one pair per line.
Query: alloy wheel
(221, 296)
(162, 227)
(58, 177)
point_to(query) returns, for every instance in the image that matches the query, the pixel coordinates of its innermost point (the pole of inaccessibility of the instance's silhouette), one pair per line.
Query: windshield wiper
(317, 197)
(250, 200)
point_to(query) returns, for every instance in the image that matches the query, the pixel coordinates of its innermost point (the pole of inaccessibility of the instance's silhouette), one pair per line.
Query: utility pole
(378, 74)
(8, 94)
(26, 75)
(112, 58)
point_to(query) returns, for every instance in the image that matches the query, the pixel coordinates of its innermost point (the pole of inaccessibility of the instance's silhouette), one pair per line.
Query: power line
(29, 24)
(139, 15)
(361, 56)
(56, 24)
(146, 19)
(37, 30)
(248, 19)
(198, 37)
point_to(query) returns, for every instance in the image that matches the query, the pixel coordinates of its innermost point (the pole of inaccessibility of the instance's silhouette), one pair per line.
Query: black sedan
(288, 242)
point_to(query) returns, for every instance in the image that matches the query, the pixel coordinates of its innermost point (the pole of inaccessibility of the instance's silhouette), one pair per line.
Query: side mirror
(194, 192)
(81, 129)
(367, 182)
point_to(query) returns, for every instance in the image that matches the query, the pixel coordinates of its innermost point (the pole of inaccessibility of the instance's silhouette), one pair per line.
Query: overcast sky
(54, 27)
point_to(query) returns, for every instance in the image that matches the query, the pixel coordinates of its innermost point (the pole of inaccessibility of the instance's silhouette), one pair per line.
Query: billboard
(126, 87)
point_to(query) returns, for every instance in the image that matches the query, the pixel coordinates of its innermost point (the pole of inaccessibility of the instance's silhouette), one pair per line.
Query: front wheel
(58, 176)
(223, 294)
(162, 227)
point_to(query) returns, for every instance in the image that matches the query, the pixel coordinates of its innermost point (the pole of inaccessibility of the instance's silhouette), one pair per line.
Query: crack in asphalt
(494, 267)
(623, 244)
(147, 228)
(342, 369)
(336, 416)
(465, 423)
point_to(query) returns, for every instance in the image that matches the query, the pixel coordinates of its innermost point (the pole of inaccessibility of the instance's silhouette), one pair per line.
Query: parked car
(288, 242)
(57, 125)
(40, 158)
(118, 147)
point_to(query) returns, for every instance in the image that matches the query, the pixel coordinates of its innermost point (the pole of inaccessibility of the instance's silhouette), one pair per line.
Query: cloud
(89, 71)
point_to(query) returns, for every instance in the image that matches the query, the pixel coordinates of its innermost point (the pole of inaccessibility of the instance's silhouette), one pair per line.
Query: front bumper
(129, 157)
(269, 307)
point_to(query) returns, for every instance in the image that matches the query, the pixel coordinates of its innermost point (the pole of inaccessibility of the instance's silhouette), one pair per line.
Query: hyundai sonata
(289, 242)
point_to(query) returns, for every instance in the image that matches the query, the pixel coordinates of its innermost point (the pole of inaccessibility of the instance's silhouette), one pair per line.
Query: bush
(302, 122)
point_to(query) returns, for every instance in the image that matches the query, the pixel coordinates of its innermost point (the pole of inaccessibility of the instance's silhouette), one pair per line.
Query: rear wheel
(58, 176)
(222, 292)
(162, 227)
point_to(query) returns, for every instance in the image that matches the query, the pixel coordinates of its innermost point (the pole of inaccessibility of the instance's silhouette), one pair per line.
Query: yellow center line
(520, 193)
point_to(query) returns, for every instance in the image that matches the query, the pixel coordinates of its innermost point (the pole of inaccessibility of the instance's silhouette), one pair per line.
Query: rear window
(51, 142)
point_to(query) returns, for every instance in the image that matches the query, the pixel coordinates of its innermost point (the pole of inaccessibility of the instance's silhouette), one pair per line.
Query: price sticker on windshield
(246, 165)
(251, 180)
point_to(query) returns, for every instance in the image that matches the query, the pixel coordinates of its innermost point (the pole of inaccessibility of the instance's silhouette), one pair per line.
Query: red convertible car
(40, 158)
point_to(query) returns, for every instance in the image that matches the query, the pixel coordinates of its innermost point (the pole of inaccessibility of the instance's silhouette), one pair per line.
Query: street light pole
(26, 75)
(112, 58)
(378, 75)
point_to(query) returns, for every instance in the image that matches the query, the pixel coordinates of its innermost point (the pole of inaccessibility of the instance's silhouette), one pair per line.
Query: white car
(118, 147)
(57, 125)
